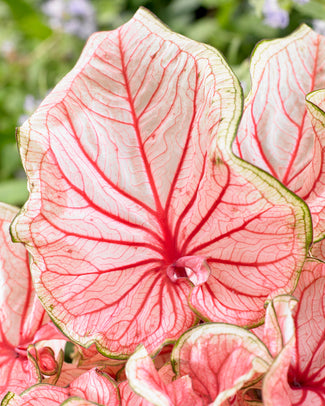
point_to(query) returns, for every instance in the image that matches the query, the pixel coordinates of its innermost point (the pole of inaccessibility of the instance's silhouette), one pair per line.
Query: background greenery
(35, 55)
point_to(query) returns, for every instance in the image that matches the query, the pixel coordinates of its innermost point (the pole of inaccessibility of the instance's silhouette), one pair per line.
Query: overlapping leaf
(150, 385)
(93, 387)
(21, 314)
(136, 197)
(220, 359)
(25, 356)
(297, 374)
(276, 132)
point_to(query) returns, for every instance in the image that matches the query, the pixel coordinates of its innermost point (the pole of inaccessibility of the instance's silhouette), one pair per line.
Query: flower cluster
(75, 17)
(173, 238)
(274, 15)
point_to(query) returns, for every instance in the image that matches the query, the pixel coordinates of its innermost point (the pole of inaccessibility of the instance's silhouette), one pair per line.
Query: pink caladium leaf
(77, 402)
(88, 358)
(96, 386)
(147, 383)
(250, 396)
(21, 314)
(220, 359)
(93, 387)
(37, 395)
(298, 373)
(25, 356)
(279, 324)
(137, 201)
(313, 269)
(276, 132)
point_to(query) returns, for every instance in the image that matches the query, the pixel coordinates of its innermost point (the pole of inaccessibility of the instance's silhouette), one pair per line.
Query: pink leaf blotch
(137, 201)
(276, 132)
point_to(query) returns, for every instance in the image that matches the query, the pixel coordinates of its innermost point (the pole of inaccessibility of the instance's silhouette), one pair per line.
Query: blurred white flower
(319, 26)
(75, 17)
(274, 15)
(7, 47)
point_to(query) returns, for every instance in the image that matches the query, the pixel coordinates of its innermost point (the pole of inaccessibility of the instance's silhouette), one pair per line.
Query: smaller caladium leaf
(37, 395)
(314, 268)
(137, 202)
(46, 361)
(77, 402)
(209, 354)
(298, 373)
(278, 328)
(250, 396)
(146, 382)
(88, 358)
(21, 313)
(276, 132)
(14, 400)
(96, 386)
(276, 390)
(93, 386)
(24, 353)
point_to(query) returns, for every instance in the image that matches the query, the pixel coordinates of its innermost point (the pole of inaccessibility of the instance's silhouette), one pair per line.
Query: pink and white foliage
(87, 358)
(276, 132)
(314, 268)
(278, 328)
(297, 376)
(92, 387)
(21, 317)
(137, 204)
(220, 359)
(157, 388)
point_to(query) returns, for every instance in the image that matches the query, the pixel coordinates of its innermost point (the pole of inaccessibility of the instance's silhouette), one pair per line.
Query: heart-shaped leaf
(276, 132)
(136, 196)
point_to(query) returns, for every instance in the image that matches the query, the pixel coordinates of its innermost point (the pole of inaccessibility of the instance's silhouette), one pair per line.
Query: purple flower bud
(274, 15)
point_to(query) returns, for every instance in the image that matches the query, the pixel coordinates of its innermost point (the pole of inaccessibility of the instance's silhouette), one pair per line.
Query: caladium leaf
(37, 395)
(276, 132)
(250, 396)
(77, 402)
(136, 196)
(96, 386)
(279, 325)
(298, 373)
(209, 354)
(21, 314)
(24, 354)
(93, 386)
(314, 268)
(145, 381)
(88, 358)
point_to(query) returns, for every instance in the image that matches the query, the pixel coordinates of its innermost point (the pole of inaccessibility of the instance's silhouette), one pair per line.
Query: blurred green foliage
(34, 55)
